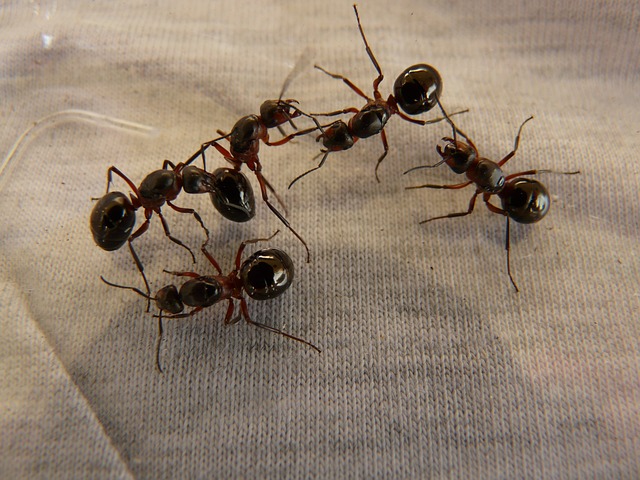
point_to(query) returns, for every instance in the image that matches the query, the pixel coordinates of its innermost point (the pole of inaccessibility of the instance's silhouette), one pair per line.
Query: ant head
(232, 195)
(267, 273)
(168, 299)
(201, 292)
(196, 180)
(337, 136)
(525, 200)
(417, 89)
(277, 112)
(112, 220)
(458, 155)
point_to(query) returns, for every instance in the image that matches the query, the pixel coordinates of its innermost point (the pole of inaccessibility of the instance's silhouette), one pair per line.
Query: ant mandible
(523, 200)
(415, 91)
(263, 276)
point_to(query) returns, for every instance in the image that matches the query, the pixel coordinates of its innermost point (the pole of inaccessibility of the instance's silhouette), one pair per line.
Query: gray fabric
(432, 366)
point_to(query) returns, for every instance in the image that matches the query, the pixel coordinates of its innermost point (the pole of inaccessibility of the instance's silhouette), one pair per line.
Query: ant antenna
(378, 80)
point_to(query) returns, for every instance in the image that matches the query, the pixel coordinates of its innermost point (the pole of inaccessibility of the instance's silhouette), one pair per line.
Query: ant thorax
(370, 120)
(158, 187)
(487, 175)
(246, 133)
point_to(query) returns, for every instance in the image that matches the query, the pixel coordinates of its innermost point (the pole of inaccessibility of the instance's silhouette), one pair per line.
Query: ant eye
(526, 200)
(417, 89)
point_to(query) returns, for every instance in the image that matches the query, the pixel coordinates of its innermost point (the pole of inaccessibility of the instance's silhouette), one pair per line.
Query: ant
(244, 144)
(264, 275)
(113, 216)
(415, 91)
(523, 200)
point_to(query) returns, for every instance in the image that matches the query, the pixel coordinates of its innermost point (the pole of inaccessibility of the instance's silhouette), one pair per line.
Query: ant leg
(500, 211)
(182, 274)
(165, 226)
(226, 154)
(200, 152)
(195, 214)
(324, 158)
(433, 120)
(534, 172)
(383, 136)
(124, 177)
(337, 112)
(349, 83)
(168, 163)
(506, 246)
(229, 313)
(472, 204)
(159, 342)
(245, 313)
(248, 242)
(227, 318)
(143, 228)
(185, 315)
(380, 77)
(275, 194)
(265, 197)
(448, 187)
(211, 259)
(492, 207)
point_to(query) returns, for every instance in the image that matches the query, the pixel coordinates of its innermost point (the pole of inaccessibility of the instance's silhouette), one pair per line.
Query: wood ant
(244, 145)
(113, 216)
(415, 91)
(523, 200)
(263, 276)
